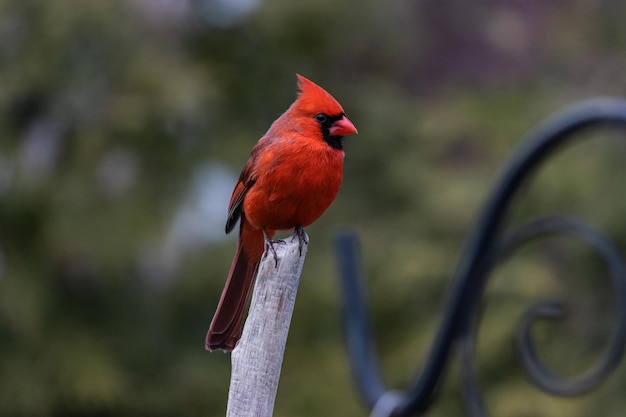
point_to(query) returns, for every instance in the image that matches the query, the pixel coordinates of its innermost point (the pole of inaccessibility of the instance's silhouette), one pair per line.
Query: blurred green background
(124, 125)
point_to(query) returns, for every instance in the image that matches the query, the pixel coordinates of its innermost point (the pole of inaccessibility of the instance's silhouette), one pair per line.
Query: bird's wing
(247, 178)
(236, 203)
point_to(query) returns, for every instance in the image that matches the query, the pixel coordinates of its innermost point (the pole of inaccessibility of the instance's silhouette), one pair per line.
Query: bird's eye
(320, 117)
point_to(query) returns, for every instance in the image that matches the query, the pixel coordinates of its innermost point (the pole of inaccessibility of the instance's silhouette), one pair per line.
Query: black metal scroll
(484, 248)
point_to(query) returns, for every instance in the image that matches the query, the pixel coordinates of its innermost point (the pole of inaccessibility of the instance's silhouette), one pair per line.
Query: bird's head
(316, 108)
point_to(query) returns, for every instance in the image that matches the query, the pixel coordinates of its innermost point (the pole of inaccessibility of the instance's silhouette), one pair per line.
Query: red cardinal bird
(292, 175)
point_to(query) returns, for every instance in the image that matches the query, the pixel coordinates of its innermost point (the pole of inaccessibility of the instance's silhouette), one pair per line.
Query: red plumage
(291, 177)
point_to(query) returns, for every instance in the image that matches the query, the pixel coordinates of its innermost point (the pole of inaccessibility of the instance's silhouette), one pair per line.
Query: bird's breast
(295, 185)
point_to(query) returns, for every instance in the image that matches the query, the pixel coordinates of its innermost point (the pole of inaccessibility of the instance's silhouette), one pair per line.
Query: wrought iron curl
(538, 373)
(469, 280)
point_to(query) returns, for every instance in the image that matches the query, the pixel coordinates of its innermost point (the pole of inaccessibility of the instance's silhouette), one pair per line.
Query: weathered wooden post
(257, 359)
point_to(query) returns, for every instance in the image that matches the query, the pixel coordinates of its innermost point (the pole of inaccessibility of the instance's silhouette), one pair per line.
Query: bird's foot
(269, 247)
(299, 233)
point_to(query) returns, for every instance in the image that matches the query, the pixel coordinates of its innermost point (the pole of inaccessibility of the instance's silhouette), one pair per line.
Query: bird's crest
(314, 99)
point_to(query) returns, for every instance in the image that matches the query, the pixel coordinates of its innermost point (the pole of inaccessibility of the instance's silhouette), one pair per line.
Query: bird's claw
(269, 247)
(299, 233)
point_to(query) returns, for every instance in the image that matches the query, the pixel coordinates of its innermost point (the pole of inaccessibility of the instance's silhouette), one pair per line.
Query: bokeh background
(123, 127)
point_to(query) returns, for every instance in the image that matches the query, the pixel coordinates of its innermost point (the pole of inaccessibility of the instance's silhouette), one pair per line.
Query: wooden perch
(257, 359)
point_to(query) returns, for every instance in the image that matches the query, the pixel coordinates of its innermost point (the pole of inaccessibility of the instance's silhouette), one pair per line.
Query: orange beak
(342, 127)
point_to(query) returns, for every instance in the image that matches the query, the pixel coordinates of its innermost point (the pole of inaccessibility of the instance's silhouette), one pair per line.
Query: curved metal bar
(469, 382)
(551, 309)
(469, 280)
(363, 356)
(614, 351)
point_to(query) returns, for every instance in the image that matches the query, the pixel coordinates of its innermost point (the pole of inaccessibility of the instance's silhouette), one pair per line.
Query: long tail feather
(227, 324)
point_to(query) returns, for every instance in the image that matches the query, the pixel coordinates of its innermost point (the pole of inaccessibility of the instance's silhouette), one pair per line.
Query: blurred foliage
(125, 122)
